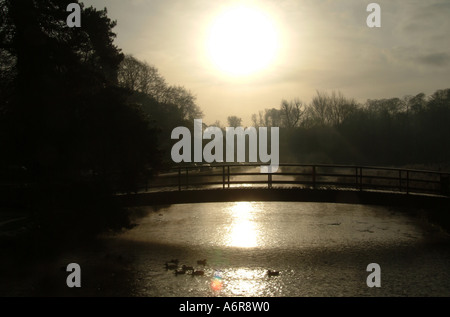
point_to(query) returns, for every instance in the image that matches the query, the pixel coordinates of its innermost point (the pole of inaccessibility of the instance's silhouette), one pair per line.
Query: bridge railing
(317, 176)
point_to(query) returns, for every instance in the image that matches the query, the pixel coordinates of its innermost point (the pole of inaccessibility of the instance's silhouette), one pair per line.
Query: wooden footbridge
(295, 182)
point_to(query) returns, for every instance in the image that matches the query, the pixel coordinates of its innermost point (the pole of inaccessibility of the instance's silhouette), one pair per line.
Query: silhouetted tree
(330, 109)
(66, 120)
(255, 122)
(234, 121)
(291, 112)
(184, 100)
(272, 117)
(166, 107)
(319, 109)
(416, 104)
(140, 77)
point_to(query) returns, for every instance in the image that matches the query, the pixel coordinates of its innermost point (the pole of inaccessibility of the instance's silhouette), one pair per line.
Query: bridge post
(269, 180)
(445, 184)
(400, 180)
(360, 179)
(187, 178)
(223, 177)
(314, 176)
(228, 167)
(407, 182)
(179, 178)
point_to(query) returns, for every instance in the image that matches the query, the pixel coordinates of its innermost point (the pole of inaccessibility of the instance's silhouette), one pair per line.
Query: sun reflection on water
(240, 282)
(243, 231)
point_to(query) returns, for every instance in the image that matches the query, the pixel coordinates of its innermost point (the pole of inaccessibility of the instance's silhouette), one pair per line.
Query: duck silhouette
(171, 266)
(272, 273)
(180, 272)
(198, 273)
(201, 262)
(187, 268)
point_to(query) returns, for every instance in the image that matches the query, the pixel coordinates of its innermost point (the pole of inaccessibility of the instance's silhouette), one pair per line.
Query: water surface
(318, 249)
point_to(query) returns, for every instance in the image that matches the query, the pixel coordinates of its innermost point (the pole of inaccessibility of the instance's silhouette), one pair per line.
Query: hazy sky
(320, 45)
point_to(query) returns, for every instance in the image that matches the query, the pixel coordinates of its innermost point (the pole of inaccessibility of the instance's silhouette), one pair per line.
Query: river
(318, 249)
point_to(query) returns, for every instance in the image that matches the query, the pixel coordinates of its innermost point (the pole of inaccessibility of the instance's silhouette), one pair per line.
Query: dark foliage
(412, 131)
(67, 127)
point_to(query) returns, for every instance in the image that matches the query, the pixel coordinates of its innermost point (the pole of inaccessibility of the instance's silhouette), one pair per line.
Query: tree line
(410, 131)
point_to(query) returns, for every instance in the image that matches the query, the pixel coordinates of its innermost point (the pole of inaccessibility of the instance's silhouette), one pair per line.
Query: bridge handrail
(435, 182)
(309, 165)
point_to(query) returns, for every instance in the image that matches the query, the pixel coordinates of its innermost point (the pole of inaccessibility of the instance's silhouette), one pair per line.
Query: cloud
(435, 59)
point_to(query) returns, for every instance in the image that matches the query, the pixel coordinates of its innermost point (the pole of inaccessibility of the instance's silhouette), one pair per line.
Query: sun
(242, 41)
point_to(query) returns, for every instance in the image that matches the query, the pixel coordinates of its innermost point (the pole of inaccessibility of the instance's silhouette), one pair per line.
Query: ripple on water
(319, 249)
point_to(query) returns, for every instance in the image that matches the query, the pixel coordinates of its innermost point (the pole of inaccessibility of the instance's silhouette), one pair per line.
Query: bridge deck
(285, 194)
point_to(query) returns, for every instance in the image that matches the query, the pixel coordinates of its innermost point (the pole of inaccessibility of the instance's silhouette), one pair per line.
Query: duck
(201, 262)
(174, 261)
(180, 272)
(272, 273)
(187, 268)
(171, 266)
(198, 273)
